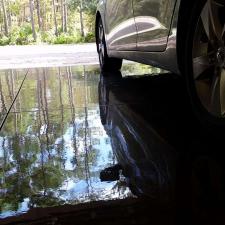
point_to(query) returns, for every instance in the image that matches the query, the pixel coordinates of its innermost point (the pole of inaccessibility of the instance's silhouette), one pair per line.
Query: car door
(153, 19)
(121, 32)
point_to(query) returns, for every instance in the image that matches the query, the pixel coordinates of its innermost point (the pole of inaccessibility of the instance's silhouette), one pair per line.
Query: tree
(65, 16)
(32, 19)
(81, 19)
(9, 18)
(21, 19)
(55, 19)
(5, 18)
(62, 15)
(39, 15)
(83, 6)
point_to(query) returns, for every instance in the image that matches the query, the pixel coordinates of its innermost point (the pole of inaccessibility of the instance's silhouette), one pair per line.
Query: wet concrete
(68, 124)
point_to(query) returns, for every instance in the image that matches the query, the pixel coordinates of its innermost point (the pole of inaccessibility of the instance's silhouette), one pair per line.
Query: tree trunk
(24, 13)
(39, 15)
(1, 16)
(65, 16)
(44, 16)
(81, 19)
(5, 18)
(55, 19)
(32, 20)
(9, 15)
(62, 15)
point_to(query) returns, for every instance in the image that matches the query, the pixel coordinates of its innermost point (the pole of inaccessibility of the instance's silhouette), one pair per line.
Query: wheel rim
(209, 57)
(101, 44)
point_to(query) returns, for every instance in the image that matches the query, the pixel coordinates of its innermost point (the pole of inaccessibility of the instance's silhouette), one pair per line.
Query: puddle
(72, 136)
(53, 145)
(10, 83)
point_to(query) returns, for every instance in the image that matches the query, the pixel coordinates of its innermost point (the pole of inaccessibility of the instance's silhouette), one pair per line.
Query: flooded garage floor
(71, 135)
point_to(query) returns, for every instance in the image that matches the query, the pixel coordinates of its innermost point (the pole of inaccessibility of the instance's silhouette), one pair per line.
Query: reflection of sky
(75, 189)
(22, 209)
(1, 150)
(103, 148)
(72, 188)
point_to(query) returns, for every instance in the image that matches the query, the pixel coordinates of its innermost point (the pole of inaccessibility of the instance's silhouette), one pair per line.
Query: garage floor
(61, 127)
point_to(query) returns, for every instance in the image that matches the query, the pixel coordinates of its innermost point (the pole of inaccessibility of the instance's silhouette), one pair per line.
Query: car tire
(194, 41)
(106, 63)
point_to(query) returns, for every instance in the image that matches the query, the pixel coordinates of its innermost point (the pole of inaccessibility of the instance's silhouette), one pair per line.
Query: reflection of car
(178, 35)
(146, 159)
(162, 155)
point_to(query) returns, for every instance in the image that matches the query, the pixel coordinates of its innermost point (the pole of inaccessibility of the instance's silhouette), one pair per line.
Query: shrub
(4, 40)
(48, 37)
(21, 35)
(65, 38)
(90, 37)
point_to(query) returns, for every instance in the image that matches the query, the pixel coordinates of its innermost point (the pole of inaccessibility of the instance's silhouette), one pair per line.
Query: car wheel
(106, 63)
(204, 61)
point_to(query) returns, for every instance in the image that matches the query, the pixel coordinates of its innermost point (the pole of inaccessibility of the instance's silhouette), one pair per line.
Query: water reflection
(53, 145)
(66, 127)
(10, 83)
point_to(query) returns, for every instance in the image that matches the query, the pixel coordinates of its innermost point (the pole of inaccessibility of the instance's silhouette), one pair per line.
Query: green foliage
(4, 40)
(90, 37)
(21, 35)
(18, 36)
(64, 38)
(89, 6)
(15, 7)
(67, 38)
(20, 28)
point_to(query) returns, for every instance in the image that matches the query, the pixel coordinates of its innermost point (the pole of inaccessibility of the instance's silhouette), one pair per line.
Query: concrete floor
(62, 126)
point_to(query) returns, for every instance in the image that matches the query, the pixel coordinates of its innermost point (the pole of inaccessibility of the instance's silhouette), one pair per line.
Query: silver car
(183, 36)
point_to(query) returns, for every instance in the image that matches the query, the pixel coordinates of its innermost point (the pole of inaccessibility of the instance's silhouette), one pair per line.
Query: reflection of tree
(39, 121)
(120, 11)
(3, 164)
(13, 93)
(38, 145)
(18, 103)
(86, 136)
(61, 145)
(120, 187)
(159, 9)
(45, 113)
(73, 112)
(3, 105)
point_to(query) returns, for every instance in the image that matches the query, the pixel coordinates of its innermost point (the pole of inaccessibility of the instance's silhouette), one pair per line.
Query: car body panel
(153, 20)
(166, 60)
(121, 33)
(163, 56)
